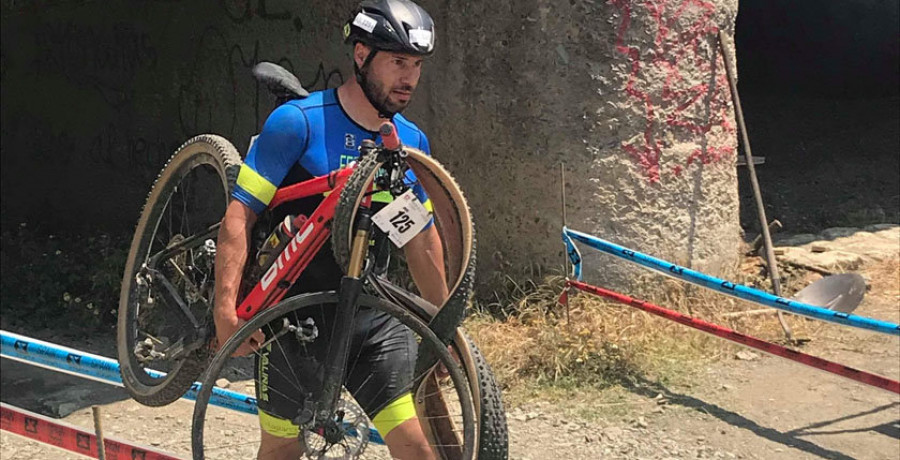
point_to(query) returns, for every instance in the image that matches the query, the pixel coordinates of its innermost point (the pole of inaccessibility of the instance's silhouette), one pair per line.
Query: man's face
(391, 78)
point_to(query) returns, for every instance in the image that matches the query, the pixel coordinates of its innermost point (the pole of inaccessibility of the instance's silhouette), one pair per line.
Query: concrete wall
(633, 100)
(96, 95)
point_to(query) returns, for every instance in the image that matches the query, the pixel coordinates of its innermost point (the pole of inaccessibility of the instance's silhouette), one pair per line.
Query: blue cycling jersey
(316, 134)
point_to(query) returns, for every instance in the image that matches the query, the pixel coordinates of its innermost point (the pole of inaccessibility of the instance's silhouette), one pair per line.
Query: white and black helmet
(391, 25)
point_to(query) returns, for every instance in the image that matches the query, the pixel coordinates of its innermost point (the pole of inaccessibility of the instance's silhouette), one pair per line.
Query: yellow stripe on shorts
(277, 426)
(395, 413)
(256, 185)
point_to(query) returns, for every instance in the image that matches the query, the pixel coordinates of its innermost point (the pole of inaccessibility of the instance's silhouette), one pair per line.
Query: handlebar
(389, 137)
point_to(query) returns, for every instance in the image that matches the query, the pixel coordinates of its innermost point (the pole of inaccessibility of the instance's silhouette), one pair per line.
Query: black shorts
(379, 368)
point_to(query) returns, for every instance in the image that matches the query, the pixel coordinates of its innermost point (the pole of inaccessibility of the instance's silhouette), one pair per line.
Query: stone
(745, 355)
(879, 227)
(796, 240)
(613, 433)
(835, 259)
(838, 232)
(223, 383)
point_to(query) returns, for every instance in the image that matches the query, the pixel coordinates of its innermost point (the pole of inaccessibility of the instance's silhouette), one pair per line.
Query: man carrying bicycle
(312, 137)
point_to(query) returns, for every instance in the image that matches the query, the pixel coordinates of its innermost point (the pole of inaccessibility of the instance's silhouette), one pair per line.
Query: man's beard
(380, 97)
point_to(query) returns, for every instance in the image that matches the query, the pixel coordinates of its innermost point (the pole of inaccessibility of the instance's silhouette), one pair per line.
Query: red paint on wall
(671, 49)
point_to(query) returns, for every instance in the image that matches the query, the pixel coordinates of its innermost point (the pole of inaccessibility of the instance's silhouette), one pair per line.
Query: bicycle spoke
(296, 386)
(185, 223)
(287, 361)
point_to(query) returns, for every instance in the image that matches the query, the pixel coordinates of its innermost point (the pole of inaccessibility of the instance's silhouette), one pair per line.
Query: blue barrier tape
(94, 367)
(729, 288)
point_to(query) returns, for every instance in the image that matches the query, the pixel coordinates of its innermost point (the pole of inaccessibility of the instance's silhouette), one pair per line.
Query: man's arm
(231, 256)
(425, 258)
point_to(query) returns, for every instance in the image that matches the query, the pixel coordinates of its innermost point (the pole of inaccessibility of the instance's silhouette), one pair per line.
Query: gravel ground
(745, 406)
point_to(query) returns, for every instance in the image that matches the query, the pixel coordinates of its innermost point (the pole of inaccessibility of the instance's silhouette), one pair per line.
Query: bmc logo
(285, 256)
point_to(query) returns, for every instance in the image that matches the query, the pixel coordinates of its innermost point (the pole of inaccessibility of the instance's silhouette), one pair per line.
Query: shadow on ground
(52, 393)
(791, 438)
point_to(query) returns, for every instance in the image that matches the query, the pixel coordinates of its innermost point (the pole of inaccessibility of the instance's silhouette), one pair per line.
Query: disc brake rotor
(353, 434)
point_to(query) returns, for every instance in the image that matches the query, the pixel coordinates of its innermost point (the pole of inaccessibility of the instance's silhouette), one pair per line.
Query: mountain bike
(165, 311)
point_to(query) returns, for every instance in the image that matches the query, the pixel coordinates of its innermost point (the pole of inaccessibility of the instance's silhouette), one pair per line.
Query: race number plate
(402, 219)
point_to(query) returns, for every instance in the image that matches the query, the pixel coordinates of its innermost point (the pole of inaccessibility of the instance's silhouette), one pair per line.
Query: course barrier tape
(720, 285)
(71, 438)
(723, 332)
(102, 369)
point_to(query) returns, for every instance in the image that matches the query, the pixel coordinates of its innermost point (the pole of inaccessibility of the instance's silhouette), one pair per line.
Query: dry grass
(884, 279)
(535, 341)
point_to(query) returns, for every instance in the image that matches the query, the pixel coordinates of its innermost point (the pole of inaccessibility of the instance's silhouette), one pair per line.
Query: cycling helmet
(391, 25)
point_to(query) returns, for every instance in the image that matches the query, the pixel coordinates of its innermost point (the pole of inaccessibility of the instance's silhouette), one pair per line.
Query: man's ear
(360, 53)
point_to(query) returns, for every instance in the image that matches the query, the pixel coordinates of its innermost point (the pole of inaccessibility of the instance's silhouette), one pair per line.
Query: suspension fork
(351, 285)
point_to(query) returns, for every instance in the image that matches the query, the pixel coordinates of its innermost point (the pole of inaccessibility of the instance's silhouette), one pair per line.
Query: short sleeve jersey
(317, 136)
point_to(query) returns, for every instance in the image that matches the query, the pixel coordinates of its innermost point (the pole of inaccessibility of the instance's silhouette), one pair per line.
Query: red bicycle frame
(304, 245)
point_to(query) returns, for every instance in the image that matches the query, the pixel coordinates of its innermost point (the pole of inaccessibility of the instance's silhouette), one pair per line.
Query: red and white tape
(71, 438)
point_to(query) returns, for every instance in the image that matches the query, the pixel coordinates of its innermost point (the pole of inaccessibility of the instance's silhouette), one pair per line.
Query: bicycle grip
(389, 136)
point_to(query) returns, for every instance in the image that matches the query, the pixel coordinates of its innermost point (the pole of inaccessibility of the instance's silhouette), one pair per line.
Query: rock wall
(631, 96)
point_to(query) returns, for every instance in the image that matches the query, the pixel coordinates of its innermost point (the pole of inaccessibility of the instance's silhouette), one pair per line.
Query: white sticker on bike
(403, 218)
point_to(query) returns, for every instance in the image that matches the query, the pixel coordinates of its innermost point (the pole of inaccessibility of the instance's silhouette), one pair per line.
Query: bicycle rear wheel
(444, 405)
(164, 318)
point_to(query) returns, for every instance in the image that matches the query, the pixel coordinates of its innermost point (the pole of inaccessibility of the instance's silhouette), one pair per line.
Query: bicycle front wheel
(164, 318)
(297, 331)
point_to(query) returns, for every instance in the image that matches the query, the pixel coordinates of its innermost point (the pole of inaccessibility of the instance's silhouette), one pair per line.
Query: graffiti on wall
(208, 99)
(106, 58)
(215, 91)
(242, 11)
(681, 106)
(220, 71)
(123, 150)
(109, 97)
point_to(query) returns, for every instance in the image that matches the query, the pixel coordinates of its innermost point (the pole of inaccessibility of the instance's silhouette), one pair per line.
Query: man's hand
(441, 370)
(227, 325)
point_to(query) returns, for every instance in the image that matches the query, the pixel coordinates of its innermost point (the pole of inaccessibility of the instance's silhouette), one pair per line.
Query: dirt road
(757, 407)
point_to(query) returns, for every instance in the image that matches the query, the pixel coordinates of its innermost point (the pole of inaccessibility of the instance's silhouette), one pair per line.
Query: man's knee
(408, 441)
(279, 438)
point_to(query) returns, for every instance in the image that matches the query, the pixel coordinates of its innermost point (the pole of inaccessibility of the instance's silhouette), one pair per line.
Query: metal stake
(763, 222)
(98, 429)
(562, 194)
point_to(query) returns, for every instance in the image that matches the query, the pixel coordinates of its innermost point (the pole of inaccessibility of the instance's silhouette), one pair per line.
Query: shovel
(842, 292)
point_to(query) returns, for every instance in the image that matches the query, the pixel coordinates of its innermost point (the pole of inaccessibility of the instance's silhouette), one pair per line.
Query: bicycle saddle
(283, 84)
